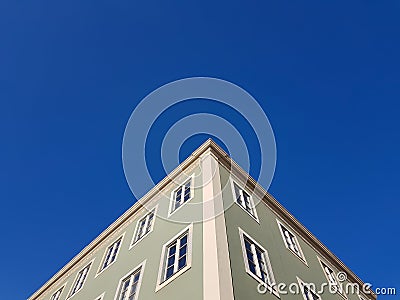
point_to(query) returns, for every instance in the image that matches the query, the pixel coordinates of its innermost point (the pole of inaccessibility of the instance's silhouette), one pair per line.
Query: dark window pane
(172, 250)
(171, 261)
(184, 240)
(170, 272)
(187, 197)
(182, 251)
(249, 256)
(247, 244)
(182, 262)
(252, 267)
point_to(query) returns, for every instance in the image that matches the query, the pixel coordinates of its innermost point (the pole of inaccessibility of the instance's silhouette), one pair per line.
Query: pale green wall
(286, 266)
(148, 249)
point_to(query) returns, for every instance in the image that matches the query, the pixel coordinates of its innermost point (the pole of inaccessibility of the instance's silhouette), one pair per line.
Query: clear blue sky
(326, 72)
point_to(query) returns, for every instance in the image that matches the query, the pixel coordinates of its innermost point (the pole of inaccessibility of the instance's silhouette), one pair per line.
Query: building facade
(206, 231)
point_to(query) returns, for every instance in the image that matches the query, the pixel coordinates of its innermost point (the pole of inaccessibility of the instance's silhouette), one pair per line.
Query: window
(130, 284)
(176, 257)
(307, 291)
(181, 195)
(100, 297)
(291, 241)
(144, 226)
(80, 280)
(111, 254)
(244, 200)
(332, 278)
(57, 295)
(256, 261)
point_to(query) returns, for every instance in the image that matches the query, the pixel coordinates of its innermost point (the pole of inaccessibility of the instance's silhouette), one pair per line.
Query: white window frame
(89, 267)
(113, 245)
(59, 289)
(131, 272)
(310, 288)
(243, 206)
(162, 268)
(272, 286)
(101, 296)
(299, 255)
(146, 217)
(172, 209)
(340, 290)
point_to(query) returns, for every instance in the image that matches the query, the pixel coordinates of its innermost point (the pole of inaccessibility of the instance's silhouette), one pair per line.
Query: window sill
(302, 259)
(71, 296)
(139, 240)
(182, 205)
(252, 216)
(100, 272)
(269, 288)
(172, 278)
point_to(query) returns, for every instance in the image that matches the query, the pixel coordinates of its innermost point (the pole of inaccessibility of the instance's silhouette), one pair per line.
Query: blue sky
(327, 73)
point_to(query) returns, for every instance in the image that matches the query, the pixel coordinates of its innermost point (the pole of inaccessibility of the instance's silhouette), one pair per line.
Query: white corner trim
(301, 257)
(162, 283)
(216, 268)
(100, 270)
(141, 266)
(172, 198)
(133, 242)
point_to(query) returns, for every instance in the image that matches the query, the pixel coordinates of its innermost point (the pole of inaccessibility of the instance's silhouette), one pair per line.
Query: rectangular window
(57, 295)
(291, 241)
(244, 200)
(181, 195)
(176, 257)
(111, 254)
(129, 287)
(80, 280)
(130, 284)
(144, 226)
(256, 261)
(332, 278)
(308, 291)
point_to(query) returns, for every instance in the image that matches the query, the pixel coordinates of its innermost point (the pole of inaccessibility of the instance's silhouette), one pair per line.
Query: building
(161, 249)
